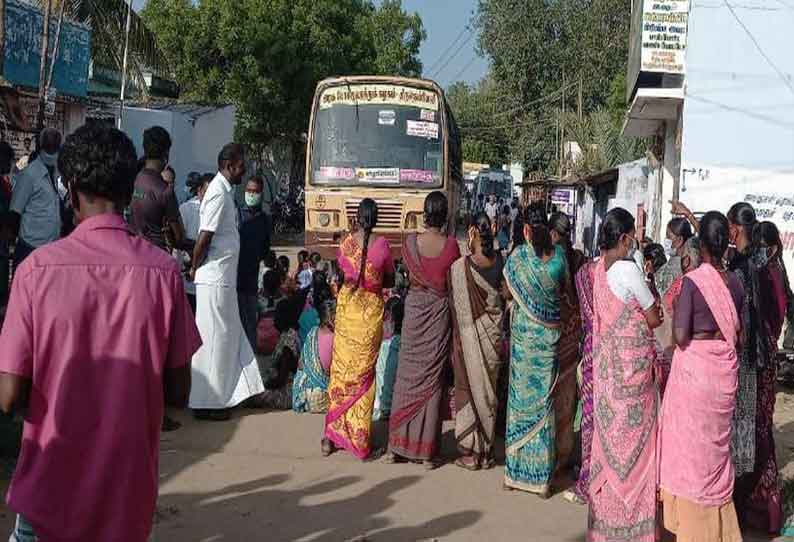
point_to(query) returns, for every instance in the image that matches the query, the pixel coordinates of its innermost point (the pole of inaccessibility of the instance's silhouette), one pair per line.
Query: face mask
(49, 160)
(253, 199)
(668, 248)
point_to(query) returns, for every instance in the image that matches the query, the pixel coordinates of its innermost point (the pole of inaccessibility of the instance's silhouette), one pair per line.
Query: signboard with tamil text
(664, 32)
(379, 95)
(23, 25)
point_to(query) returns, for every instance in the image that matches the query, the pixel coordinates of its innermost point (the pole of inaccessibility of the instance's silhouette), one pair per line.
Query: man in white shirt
(492, 209)
(189, 212)
(225, 370)
(35, 203)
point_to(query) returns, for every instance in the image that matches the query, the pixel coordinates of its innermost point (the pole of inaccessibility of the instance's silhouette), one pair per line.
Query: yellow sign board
(379, 95)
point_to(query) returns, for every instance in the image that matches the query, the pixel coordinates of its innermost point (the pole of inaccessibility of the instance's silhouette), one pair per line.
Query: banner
(664, 32)
(24, 24)
(379, 95)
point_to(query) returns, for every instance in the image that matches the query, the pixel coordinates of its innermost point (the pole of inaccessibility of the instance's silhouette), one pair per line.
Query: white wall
(211, 132)
(195, 143)
(738, 117)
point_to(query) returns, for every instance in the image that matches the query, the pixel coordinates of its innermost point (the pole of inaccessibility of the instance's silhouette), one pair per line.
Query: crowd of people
(662, 354)
(667, 351)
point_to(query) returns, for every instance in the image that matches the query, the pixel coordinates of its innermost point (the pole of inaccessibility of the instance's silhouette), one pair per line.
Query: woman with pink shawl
(623, 461)
(696, 470)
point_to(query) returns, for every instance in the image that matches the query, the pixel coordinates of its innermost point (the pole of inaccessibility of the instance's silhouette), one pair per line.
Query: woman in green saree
(534, 274)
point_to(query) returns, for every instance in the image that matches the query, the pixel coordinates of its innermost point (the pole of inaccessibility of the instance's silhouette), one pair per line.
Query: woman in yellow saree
(368, 267)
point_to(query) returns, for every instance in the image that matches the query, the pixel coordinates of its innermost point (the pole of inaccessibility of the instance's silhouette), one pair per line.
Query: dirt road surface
(260, 476)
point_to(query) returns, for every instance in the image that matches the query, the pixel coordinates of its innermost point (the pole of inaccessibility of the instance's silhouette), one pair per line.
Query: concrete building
(715, 82)
(198, 134)
(66, 106)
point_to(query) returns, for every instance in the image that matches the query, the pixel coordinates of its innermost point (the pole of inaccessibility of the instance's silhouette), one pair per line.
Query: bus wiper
(355, 100)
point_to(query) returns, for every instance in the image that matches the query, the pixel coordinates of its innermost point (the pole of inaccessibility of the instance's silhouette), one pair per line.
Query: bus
(392, 139)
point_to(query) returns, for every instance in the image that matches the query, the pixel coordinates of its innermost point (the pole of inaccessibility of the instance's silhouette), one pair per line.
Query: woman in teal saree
(534, 273)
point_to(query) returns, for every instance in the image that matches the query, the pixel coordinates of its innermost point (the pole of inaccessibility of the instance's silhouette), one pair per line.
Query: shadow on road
(259, 510)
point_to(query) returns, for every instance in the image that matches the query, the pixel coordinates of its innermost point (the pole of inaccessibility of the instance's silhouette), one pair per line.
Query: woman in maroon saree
(415, 423)
(763, 510)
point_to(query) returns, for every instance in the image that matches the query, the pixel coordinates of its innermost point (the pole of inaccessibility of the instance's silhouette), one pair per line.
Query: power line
(550, 96)
(484, 129)
(454, 55)
(769, 61)
(463, 70)
(448, 49)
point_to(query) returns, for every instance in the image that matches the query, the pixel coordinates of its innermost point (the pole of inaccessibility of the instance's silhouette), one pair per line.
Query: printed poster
(416, 176)
(427, 130)
(387, 117)
(378, 175)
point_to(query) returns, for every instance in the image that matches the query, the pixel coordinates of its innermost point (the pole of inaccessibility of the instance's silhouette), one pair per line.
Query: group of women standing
(704, 447)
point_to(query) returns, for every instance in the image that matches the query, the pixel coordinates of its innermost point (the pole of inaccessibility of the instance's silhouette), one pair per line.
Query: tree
(482, 141)
(601, 142)
(540, 52)
(397, 37)
(267, 57)
(108, 20)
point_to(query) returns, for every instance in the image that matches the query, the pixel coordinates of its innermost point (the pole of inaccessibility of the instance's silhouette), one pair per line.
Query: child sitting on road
(386, 366)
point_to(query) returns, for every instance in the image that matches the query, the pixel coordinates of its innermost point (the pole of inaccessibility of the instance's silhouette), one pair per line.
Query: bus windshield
(377, 135)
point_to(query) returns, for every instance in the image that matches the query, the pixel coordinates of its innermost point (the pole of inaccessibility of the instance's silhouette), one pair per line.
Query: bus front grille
(390, 213)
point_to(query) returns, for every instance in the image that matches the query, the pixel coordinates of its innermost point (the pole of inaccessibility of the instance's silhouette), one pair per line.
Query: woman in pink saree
(696, 470)
(623, 462)
(368, 266)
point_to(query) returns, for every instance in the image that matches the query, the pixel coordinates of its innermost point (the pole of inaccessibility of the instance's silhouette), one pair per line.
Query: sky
(444, 21)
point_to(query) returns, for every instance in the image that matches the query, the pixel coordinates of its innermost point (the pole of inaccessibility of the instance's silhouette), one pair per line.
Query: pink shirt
(93, 320)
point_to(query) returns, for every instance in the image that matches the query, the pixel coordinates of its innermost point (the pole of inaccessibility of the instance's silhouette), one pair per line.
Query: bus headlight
(324, 219)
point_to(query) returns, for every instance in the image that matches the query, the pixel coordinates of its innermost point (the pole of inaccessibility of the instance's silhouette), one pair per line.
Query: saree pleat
(584, 287)
(476, 358)
(426, 341)
(765, 503)
(351, 392)
(565, 392)
(623, 468)
(534, 340)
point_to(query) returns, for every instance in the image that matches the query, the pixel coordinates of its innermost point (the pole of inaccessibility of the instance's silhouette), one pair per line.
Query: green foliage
(482, 141)
(108, 20)
(534, 46)
(601, 142)
(266, 56)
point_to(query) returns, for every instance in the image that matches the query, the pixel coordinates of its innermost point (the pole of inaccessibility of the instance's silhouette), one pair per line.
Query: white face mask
(49, 160)
(668, 248)
(253, 199)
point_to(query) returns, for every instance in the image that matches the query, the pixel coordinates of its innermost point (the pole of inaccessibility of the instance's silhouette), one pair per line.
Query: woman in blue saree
(310, 387)
(534, 274)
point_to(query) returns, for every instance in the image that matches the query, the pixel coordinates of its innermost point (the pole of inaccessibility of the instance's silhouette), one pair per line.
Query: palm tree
(601, 142)
(108, 19)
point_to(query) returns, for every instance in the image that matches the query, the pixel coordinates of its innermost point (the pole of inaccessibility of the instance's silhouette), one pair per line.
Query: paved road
(261, 477)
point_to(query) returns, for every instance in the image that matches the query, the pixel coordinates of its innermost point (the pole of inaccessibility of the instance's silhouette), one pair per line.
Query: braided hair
(367, 219)
(561, 223)
(535, 218)
(483, 225)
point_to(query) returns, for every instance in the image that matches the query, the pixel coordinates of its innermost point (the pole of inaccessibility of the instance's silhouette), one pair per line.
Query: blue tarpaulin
(24, 24)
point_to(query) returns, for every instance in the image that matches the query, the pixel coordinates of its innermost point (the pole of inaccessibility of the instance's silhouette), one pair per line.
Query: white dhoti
(225, 371)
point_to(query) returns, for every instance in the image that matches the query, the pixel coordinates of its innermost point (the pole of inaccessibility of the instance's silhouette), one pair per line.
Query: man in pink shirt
(97, 327)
